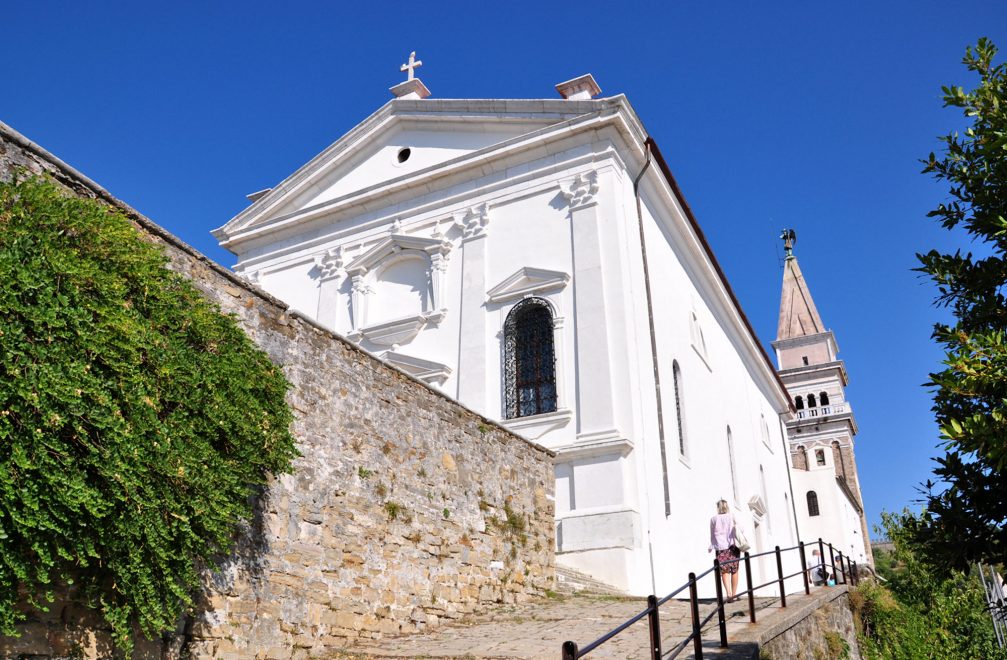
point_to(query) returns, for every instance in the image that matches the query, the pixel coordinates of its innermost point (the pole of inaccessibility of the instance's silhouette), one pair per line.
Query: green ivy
(136, 420)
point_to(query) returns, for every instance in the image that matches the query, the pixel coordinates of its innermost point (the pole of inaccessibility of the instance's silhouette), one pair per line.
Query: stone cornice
(557, 113)
(530, 146)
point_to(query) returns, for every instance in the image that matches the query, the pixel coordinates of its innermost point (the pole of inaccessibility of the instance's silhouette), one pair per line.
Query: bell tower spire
(798, 314)
(821, 432)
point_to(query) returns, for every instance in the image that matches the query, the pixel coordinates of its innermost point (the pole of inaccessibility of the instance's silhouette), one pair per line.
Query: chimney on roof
(582, 88)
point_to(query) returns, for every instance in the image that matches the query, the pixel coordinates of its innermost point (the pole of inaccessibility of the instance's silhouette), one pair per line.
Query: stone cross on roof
(413, 64)
(412, 87)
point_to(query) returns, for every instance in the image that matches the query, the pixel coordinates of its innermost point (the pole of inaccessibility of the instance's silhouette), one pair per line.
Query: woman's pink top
(721, 531)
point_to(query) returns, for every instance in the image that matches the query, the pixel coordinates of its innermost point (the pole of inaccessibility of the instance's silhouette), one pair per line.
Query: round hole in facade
(404, 154)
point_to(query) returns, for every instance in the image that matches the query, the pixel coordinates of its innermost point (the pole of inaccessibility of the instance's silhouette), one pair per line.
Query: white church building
(536, 260)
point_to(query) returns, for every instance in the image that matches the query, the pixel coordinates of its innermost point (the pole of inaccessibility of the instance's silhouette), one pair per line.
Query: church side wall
(717, 391)
(404, 509)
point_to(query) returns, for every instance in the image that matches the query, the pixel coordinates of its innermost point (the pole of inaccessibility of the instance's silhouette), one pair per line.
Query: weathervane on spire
(789, 237)
(413, 64)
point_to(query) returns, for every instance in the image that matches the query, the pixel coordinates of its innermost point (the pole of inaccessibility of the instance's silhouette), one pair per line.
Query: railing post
(804, 570)
(842, 565)
(654, 619)
(697, 642)
(779, 573)
(751, 594)
(821, 552)
(721, 621)
(856, 574)
(832, 562)
(570, 651)
(849, 566)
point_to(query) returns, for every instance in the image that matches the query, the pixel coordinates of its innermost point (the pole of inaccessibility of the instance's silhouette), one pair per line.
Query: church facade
(536, 260)
(821, 432)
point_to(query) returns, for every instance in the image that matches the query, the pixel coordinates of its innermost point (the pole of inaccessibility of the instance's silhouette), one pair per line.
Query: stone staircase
(569, 582)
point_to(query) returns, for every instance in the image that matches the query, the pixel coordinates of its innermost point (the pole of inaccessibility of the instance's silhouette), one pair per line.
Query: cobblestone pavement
(538, 630)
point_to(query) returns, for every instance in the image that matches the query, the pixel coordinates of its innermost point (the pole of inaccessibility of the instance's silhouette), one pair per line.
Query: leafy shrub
(136, 420)
(920, 613)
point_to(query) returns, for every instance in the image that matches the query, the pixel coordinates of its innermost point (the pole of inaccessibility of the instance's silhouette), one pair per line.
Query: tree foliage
(136, 420)
(921, 611)
(967, 509)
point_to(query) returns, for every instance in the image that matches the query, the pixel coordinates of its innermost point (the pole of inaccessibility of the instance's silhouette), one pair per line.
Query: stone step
(569, 581)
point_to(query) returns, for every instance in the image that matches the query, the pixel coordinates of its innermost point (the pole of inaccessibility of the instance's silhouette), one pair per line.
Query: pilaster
(595, 409)
(472, 325)
(332, 311)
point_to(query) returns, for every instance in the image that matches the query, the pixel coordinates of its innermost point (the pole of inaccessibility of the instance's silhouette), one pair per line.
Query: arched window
(529, 360)
(823, 399)
(811, 401)
(734, 474)
(676, 376)
(812, 503)
(799, 402)
(819, 457)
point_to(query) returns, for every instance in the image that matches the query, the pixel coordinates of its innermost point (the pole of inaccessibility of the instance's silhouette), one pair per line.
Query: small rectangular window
(804, 358)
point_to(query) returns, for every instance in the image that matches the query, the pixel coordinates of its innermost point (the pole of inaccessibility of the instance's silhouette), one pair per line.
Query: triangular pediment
(393, 244)
(436, 132)
(527, 281)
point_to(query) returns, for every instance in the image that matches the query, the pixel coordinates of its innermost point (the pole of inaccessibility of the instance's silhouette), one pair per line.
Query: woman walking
(724, 542)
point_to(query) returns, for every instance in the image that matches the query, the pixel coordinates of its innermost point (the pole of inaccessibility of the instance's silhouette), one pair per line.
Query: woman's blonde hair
(722, 506)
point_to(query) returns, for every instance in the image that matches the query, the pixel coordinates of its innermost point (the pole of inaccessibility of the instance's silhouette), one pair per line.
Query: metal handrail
(848, 567)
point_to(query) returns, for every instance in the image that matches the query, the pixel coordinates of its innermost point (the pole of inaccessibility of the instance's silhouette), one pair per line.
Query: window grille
(823, 398)
(529, 360)
(812, 503)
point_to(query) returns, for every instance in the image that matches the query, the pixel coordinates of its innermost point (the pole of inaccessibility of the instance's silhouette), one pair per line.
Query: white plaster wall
(718, 391)
(295, 284)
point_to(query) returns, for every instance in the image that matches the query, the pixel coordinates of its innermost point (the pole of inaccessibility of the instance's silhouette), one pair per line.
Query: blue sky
(771, 115)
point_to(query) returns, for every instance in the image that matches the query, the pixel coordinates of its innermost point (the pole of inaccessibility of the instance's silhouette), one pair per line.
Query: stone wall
(826, 632)
(405, 508)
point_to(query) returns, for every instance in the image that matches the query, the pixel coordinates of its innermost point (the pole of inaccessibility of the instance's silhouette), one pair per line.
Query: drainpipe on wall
(790, 481)
(653, 351)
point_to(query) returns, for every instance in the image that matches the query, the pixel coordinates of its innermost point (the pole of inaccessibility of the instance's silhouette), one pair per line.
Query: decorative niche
(397, 288)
